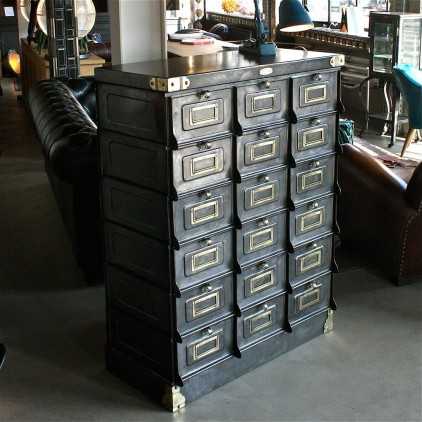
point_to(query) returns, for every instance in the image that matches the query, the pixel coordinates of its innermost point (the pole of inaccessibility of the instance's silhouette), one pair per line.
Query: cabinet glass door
(383, 47)
(410, 42)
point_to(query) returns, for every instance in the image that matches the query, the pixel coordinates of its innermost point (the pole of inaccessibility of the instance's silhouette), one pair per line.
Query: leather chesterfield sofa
(64, 116)
(380, 214)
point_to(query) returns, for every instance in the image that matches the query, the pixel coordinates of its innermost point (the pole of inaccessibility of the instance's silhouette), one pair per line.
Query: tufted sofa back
(63, 116)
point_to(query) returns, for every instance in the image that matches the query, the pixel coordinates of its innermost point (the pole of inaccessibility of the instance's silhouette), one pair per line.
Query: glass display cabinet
(395, 39)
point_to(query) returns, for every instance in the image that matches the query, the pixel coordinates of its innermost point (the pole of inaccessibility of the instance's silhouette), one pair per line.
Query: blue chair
(409, 82)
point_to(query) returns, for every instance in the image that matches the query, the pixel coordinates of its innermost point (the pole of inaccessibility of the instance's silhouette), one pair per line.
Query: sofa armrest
(373, 210)
(414, 189)
(379, 179)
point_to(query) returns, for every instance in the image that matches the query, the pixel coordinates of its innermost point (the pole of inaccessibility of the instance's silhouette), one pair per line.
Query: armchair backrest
(409, 82)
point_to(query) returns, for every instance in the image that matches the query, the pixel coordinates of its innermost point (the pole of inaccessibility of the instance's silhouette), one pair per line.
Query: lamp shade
(293, 17)
(85, 14)
(14, 60)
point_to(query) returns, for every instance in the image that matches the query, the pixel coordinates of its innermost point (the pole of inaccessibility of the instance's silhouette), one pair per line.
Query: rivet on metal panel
(153, 84)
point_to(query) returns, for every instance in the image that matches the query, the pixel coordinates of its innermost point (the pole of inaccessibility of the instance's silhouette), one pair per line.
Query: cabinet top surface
(227, 60)
(209, 67)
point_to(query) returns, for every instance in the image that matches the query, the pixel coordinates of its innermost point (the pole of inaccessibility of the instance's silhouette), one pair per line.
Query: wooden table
(35, 66)
(175, 48)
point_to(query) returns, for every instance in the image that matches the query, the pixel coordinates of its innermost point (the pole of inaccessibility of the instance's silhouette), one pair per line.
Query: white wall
(137, 30)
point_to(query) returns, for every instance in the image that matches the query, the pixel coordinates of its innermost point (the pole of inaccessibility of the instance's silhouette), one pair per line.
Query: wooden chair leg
(410, 135)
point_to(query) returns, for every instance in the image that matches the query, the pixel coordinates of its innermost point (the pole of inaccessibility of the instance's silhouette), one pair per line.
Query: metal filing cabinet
(218, 194)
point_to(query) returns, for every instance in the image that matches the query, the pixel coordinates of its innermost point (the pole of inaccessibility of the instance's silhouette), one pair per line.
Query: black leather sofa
(64, 117)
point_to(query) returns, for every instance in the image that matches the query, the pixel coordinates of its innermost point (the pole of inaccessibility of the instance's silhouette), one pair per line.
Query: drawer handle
(316, 122)
(206, 288)
(315, 164)
(209, 331)
(207, 242)
(314, 205)
(263, 266)
(317, 77)
(313, 245)
(264, 222)
(267, 84)
(205, 95)
(264, 179)
(266, 134)
(206, 194)
(204, 146)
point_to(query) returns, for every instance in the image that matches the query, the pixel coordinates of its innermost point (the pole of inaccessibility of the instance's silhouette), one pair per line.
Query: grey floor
(368, 369)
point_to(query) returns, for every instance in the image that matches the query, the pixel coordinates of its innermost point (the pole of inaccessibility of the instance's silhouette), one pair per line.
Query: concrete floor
(368, 369)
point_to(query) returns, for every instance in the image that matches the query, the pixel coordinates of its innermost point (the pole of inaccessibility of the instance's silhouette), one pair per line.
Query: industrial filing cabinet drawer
(205, 347)
(203, 114)
(311, 259)
(261, 150)
(138, 338)
(201, 165)
(141, 209)
(131, 112)
(262, 103)
(208, 210)
(309, 298)
(150, 212)
(138, 297)
(261, 193)
(205, 303)
(311, 220)
(194, 262)
(312, 178)
(314, 93)
(261, 237)
(145, 163)
(204, 259)
(260, 321)
(313, 137)
(261, 279)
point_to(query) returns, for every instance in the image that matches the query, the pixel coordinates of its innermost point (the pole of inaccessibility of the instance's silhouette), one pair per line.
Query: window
(329, 11)
(9, 11)
(237, 8)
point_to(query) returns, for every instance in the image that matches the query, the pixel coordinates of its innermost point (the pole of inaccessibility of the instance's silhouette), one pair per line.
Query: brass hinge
(173, 399)
(329, 322)
(338, 60)
(169, 85)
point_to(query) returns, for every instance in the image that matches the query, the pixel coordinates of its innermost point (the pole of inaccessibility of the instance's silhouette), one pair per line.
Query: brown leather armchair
(380, 214)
